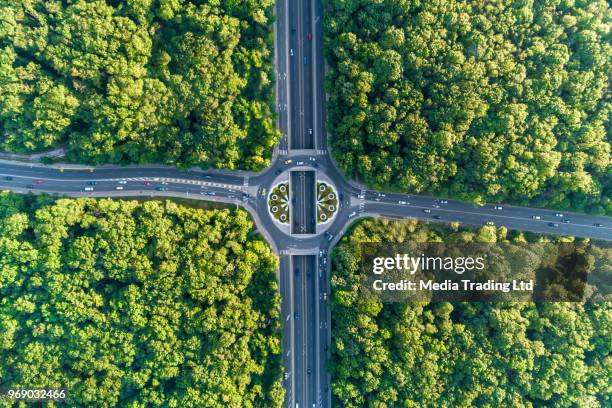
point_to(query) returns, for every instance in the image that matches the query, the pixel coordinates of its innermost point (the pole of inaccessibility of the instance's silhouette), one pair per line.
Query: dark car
(160, 188)
(8, 178)
(566, 221)
(553, 224)
(305, 60)
(598, 225)
(309, 371)
(91, 183)
(296, 315)
(30, 186)
(437, 217)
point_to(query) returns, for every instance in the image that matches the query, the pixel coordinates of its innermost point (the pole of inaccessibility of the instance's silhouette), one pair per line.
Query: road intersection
(304, 262)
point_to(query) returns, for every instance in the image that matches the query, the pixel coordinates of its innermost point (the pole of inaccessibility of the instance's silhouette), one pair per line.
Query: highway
(304, 253)
(303, 202)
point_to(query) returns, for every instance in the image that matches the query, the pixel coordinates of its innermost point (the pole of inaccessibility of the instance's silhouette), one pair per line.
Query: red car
(147, 183)
(39, 181)
(309, 36)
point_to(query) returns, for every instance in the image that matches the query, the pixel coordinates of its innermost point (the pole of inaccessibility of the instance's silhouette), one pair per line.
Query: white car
(558, 215)
(402, 202)
(88, 189)
(118, 187)
(535, 217)
(291, 52)
(122, 182)
(354, 213)
(498, 207)
(427, 210)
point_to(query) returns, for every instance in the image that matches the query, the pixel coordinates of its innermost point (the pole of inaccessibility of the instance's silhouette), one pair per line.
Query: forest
(183, 82)
(138, 304)
(486, 101)
(462, 354)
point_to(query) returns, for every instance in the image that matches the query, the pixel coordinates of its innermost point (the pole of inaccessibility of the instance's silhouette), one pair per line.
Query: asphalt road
(301, 106)
(303, 202)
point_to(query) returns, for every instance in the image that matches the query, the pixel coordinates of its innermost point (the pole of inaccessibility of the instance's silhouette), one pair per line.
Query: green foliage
(461, 354)
(173, 81)
(486, 100)
(138, 304)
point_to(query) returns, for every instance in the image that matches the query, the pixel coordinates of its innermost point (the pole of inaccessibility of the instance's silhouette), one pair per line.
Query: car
(382, 195)
(88, 189)
(361, 196)
(305, 60)
(286, 374)
(288, 161)
(443, 201)
(426, 210)
(122, 181)
(8, 178)
(598, 225)
(309, 371)
(437, 217)
(320, 273)
(207, 177)
(558, 214)
(30, 186)
(309, 35)
(490, 223)
(310, 131)
(211, 193)
(164, 183)
(118, 187)
(39, 181)
(553, 224)
(435, 206)
(354, 213)
(498, 207)
(535, 217)
(300, 163)
(160, 188)
(377, 199)
(324, 295)
(324, 261)
(296, 315)
(147, 183)
(566, 221)
(91, 183)
(291, 52)
(312, 158)
(402, 202)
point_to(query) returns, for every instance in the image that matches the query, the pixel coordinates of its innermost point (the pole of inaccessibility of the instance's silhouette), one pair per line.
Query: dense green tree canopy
(461, 354)
(486, 100)
(175, 81)
(138, 304)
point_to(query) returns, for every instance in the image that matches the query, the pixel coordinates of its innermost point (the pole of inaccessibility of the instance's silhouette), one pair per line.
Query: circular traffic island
(278, 202)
